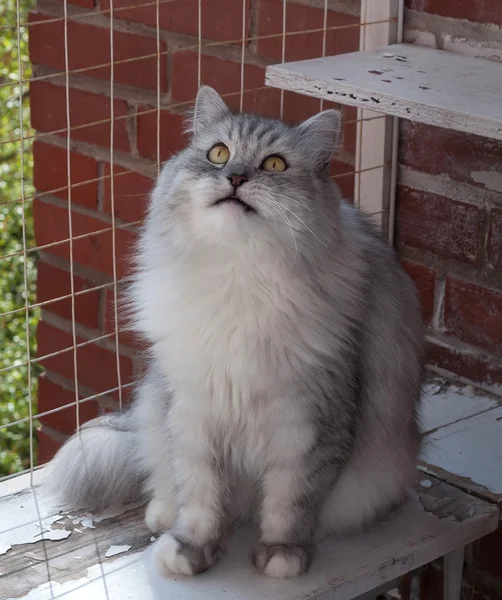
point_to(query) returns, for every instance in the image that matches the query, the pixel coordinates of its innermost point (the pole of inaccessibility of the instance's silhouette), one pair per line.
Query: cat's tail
(98, 467)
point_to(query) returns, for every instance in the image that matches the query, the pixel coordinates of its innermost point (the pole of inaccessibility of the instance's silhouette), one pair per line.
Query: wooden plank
(463, 438)
(468, 454)
(443, 405)
(435, 521)
(32, 561)
(374, 135)
(413, 82)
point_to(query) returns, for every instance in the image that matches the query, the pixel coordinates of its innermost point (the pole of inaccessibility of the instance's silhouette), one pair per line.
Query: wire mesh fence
(94, 96)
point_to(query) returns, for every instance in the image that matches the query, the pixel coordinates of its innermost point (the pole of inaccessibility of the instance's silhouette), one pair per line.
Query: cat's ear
(320, 135)
(209, 108)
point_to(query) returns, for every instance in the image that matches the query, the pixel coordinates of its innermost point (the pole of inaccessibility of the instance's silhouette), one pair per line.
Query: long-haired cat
(285, 356)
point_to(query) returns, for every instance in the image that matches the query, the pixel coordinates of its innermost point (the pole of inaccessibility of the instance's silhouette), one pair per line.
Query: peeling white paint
(442, 185)
(470, 448)
(34, 556)
(88, 519)
(432, 389)
(4, 547)
(426, 483)
(54, 535)
(87, 522)
(125, 578)
(451, 404)
(424, 38)
(492, 180)
(29, 522)
(113, 550)
(113, 512)
(461, 45)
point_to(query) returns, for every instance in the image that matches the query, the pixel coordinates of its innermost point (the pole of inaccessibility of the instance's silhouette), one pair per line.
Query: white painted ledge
(404, 80)
(463, 440)
(463, 445)
(437, 520)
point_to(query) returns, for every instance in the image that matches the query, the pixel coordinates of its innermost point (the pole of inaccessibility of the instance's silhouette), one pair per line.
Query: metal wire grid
(201, 46)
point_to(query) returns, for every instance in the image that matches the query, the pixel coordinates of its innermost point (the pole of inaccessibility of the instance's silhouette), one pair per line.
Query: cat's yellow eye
(219, 154)
(274, 164)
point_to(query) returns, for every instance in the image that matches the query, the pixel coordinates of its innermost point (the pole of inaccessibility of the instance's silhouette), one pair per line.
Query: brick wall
(449, 218)
(449, 233)
(135, 154)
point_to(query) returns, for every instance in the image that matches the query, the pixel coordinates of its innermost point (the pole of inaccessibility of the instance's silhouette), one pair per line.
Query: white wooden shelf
(45, 555)
(463, 441)
(73, 563)
(404, 80)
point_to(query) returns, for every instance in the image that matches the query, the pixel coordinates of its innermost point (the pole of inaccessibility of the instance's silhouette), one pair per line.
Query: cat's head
(245, 179)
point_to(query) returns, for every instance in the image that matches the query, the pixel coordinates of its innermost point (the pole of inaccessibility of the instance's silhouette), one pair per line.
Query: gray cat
(285, 354)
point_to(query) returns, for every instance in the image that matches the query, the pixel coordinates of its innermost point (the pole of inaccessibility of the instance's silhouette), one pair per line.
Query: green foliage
(14, 389)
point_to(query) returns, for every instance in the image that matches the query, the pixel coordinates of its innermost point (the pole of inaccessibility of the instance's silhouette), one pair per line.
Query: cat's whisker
(304, 224)
(294, 200)
(279, 211)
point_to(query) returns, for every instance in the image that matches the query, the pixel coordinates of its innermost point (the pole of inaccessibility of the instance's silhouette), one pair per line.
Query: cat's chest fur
(233, 332)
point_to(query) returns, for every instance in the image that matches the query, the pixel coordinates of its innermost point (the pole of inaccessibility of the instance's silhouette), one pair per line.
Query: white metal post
(377, 136)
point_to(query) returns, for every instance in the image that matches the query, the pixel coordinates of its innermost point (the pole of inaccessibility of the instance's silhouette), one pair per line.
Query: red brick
(473, 314)
(425, 281)
(436, 150)
(476, 366)
(172, 139)
(221, 19)
(494, 248)
(405, 587)
(223, 75)
(480, 11)
(83, 3)
(52, 395)
(301, 18)
(443, 226)
(94, 250)
(53, 282)
(297, 108)
(47, 48)
(431, 582)
(48, 114)
(126, 336)
(489, 557)
(474, 590)
(50, 174)
(96, 366)
(265, 102)
(130, 192)
(349, 129)
(47, 446)
(342, 174)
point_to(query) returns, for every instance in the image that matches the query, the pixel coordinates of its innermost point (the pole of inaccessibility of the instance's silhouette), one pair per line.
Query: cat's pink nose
(237, 180)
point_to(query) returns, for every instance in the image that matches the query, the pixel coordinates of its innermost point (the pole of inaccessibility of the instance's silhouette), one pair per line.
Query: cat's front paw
(282, 560)
(173, 556)
(160, 515)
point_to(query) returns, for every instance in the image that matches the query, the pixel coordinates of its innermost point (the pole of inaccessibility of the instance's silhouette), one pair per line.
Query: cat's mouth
(234, 200)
